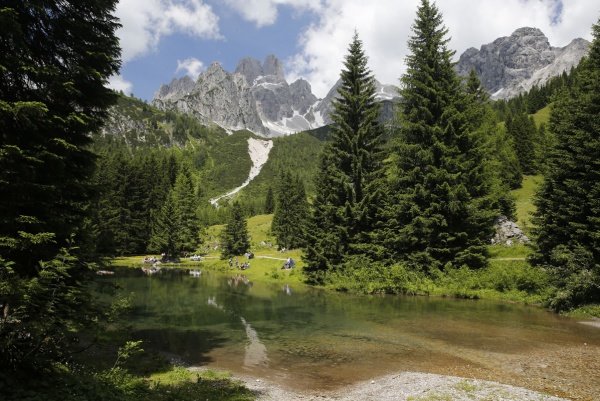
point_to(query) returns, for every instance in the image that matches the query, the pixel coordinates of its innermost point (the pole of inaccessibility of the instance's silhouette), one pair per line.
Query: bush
(362, 276)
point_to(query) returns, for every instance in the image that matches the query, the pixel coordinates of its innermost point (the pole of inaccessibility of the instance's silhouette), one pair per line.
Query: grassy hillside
(524, 201)
(542, 116)
(228, 164)
(298, 153)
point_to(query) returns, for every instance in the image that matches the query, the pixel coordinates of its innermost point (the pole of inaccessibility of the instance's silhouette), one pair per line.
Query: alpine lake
(302, 337)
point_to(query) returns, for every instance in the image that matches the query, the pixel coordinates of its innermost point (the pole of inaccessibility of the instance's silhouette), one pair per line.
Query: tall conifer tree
(442, 210)
(568, 203)
(165, 230)
(291, 212)
(349, 166)
(523, 131)
(234, 238)
(270, 201)
(55, 61)
(185, 211)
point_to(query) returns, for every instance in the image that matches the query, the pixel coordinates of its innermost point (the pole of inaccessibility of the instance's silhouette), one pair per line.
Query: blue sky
(163, 39)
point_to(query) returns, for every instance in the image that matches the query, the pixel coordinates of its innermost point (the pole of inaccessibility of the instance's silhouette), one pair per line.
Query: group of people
(243, 266)
(150, 259)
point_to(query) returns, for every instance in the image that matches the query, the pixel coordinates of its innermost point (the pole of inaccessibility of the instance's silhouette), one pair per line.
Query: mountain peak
(272, 66)
(528, 31)
(251, 69)
(513, 64)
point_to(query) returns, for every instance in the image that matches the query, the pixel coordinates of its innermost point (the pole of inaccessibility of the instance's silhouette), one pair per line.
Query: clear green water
(310, 338)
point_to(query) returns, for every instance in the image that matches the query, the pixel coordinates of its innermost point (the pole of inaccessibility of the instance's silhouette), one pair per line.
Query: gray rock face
(512, 65)
(175, 88)
(250, 68)
(217, 96)
(256, 97)
(282, 107)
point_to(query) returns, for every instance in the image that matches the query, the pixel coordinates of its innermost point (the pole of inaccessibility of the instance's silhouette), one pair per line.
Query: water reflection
(256, 352)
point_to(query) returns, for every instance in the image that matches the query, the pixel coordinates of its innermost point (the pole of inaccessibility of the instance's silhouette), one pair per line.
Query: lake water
(307, 338)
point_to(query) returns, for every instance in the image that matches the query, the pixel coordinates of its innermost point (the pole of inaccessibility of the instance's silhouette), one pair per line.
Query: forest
(373, 206)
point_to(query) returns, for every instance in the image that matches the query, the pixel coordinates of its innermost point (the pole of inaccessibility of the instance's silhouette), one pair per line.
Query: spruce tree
(291, 212)
(165, 230)
(234, 237)
(500, 166)
(343, 208)
(185, 211)
(567, 219)
(54, 68)
(442, 210)
(55, 61)
(270, 201)
(523, 131)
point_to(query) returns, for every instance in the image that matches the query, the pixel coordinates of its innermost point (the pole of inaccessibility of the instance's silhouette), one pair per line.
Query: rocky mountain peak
(272, 66)
(250, 68)
(271, 70)
(177, 86)
(513, 64)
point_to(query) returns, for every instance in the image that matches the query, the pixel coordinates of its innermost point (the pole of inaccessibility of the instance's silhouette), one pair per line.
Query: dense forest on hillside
(373, 207)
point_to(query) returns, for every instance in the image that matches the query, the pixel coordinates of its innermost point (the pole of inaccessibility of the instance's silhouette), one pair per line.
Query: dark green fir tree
(56, 58)
(270, 201)
(186, 204)
(442, 209)
(567, 219)
(344, 206)
(165, 237)
(234, 237)
(291, 212)
(521, 128)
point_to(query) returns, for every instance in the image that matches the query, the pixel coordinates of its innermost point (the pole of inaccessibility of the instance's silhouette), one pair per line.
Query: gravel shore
(411, 386)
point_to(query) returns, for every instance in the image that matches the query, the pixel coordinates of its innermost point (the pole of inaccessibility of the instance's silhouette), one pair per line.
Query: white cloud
(264, 12)
(145, 22)
(192, 66)
(384, 26)
(118, 83)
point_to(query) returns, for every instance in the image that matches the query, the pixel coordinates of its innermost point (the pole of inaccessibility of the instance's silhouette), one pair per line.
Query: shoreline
(400, 386)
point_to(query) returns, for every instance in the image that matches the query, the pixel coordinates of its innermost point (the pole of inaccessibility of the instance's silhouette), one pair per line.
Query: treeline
(148, 202)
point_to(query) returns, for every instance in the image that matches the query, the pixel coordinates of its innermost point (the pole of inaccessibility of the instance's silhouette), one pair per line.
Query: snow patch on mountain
(259, 154)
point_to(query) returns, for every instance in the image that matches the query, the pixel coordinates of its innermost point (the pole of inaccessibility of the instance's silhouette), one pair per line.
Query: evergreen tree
(234, 238)
(521, 128)
(53, 72)
(270, 201)
(349, 167)
(55, 61)
(106, 207)
(442, 211)
(185, 211)
(292, 209)
(500, 166)
(165, 230)
(568, 204)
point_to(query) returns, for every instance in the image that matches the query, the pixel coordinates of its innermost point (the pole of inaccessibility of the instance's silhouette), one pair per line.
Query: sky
(166, 39)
